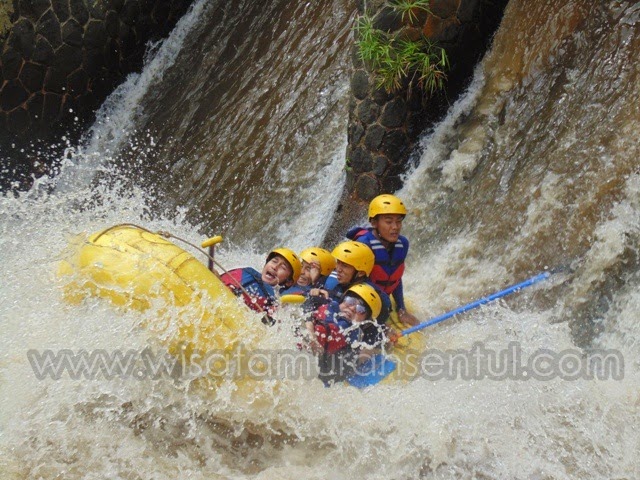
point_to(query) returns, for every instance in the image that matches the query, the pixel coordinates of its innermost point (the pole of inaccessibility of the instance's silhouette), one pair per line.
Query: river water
(534, 168)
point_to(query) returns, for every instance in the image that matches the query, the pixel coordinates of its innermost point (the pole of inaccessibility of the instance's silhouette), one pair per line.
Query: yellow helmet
(386, 204)
(291, 258)
(356, 254)
(368, 295)
(321, 256)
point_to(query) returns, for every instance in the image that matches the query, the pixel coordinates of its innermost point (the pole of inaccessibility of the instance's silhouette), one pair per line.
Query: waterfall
(237, 126)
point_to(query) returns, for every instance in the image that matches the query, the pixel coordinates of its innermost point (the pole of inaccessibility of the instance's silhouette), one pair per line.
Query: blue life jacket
(300, 290)
(261, 297)
(296, 290)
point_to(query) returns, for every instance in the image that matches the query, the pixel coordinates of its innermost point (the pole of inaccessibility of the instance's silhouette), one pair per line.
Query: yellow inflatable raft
(138, 269)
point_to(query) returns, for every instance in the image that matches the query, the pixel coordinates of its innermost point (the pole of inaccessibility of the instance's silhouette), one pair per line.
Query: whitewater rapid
(513, 182)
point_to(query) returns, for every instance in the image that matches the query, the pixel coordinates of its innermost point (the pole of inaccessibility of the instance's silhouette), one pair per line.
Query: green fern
(394, 61)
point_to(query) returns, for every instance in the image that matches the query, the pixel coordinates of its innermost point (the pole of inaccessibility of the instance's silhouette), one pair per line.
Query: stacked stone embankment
(59, 60)
(384, 127)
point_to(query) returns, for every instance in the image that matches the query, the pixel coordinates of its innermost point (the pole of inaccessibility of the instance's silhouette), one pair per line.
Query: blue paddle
(378, 367)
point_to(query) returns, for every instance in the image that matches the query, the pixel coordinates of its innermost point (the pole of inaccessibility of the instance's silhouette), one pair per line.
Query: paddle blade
(372, 372)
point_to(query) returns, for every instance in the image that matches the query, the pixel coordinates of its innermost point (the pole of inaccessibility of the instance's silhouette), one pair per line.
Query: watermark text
(475, 363)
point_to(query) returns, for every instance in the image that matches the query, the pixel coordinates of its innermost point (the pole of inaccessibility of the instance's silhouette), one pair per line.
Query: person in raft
(345, 334)
(317, 264)
(258, 289)
(354, 262)
(386, 213)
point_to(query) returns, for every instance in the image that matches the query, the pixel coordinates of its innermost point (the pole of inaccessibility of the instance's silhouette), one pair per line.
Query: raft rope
(166, 234)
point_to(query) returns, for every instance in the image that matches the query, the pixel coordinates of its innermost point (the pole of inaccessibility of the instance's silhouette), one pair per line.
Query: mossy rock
(6, 9)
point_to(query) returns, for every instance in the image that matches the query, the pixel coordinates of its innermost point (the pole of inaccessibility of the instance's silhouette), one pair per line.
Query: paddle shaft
(478, 303)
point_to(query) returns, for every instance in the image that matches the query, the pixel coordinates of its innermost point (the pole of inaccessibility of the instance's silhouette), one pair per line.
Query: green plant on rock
(395, 58)
(407, 8)
(347, 165)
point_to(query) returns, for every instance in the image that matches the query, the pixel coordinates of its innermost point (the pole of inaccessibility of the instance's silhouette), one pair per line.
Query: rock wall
(59, 60)
(383, 127)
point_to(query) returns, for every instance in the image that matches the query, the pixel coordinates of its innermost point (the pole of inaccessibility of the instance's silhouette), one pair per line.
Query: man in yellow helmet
(258, 289)
(341, 333)
(354, 262)
(317, 264)
(386, 213)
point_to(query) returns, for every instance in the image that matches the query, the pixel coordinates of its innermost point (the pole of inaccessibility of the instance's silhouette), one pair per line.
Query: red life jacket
(259, 298)
(328, 334)
(387, 283)
(388, 269)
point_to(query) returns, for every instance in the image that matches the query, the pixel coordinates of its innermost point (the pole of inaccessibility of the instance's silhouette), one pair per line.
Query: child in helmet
(317, 264)
(346, 333)
(386, 213)
(258, 289)
(354, 262)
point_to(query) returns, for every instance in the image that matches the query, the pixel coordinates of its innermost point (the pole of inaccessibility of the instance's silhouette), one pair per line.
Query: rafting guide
(386, 214)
